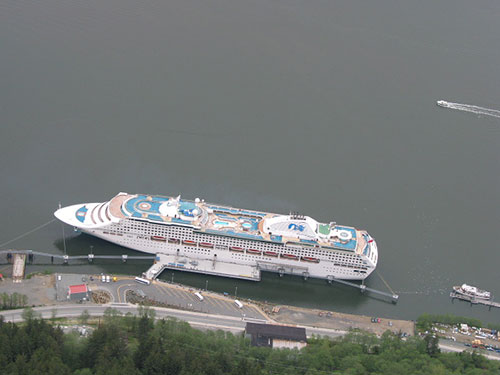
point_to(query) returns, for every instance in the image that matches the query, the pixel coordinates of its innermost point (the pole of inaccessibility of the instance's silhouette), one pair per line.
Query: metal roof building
(276, 336)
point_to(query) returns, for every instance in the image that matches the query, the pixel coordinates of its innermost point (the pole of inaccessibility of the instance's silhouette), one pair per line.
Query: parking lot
(172, 295)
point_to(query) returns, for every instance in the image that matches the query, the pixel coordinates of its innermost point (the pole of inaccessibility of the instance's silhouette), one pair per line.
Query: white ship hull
(323, 270)
(187, 241)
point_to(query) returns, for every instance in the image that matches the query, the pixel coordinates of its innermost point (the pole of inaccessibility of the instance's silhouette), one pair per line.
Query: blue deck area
(351, 245)
(235, 211)
(141, 207)
(347, 229)
(276, 238)
(232, 233)
(180, 221)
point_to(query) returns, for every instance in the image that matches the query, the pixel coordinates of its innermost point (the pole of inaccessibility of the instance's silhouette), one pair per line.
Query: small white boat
(472, 291)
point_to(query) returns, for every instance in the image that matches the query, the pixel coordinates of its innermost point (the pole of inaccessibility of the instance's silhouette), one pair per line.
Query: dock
(205, 266)
(474, 301)
(18, 266)
(213, 267)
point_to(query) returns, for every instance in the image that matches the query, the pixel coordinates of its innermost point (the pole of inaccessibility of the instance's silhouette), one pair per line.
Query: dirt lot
(39, 289)
(338, 321)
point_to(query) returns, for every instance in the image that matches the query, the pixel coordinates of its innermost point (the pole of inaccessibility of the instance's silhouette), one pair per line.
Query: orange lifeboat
(158, 238)
(270, 253)
(254, 251)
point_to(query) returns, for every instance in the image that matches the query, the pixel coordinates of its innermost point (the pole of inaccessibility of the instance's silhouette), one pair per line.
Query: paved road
(196, 319)
(451, 346)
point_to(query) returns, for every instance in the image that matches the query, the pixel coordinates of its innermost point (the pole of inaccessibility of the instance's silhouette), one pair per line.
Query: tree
(84, 317)
(432, 345)
(28, 314)
(5, 300)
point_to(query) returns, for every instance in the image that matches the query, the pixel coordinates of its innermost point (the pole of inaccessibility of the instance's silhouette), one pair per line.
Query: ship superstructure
(292, 244)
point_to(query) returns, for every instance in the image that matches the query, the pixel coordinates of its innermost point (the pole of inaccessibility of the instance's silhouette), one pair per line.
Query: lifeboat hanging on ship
(206, 245)
(158, 238)
(189, 242)
(254, 251)
(310, 259)
(270, 253)
(173, 240)
(290, 256)
(236, 248)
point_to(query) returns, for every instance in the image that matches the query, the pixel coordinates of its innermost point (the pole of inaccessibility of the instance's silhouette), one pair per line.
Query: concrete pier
(18, 266)
(205, 266)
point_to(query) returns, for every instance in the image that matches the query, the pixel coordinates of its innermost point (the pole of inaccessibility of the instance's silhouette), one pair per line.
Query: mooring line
(28, 232)
(385, 282)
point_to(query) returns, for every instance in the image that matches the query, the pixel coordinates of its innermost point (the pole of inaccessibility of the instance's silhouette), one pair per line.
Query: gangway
(363, 288)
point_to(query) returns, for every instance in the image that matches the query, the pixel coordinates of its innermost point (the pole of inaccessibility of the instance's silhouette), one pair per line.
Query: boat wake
(469, 108)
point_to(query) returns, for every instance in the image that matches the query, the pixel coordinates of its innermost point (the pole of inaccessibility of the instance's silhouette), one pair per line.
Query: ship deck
(221, 220)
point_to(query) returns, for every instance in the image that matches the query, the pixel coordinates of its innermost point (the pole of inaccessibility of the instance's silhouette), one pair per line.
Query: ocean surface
(323, 107)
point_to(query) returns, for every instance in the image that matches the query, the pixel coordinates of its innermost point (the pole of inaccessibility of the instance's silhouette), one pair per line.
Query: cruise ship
(195, 232)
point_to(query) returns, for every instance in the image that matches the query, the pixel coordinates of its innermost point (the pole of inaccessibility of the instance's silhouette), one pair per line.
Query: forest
(122, 345)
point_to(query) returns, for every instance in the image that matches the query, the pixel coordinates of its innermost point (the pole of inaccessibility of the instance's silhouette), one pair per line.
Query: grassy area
(40, 273)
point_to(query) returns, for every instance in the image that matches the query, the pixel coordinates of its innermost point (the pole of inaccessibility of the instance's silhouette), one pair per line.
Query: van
(238, 304)
(103, 278)
(140, 280)
(200, 297)
(108, 278)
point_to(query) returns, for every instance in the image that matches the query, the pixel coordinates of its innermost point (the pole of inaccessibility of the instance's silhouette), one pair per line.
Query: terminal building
(276, 336)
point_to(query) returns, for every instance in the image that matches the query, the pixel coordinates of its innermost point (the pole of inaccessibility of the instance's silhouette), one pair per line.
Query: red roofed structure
(78, 289)
(78, 292)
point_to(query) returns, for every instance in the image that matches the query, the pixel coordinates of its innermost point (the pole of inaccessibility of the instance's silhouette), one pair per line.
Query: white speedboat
(443, 104)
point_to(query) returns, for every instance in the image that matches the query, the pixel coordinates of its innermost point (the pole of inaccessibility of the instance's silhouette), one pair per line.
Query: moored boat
(228, 236)
(472, 291)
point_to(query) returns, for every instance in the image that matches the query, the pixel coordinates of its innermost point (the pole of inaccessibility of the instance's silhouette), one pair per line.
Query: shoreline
(43, 290)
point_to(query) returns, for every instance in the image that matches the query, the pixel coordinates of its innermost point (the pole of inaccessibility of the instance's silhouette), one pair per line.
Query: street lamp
(172, 277)
(91, 249)
(206, 285)
(236, 291)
